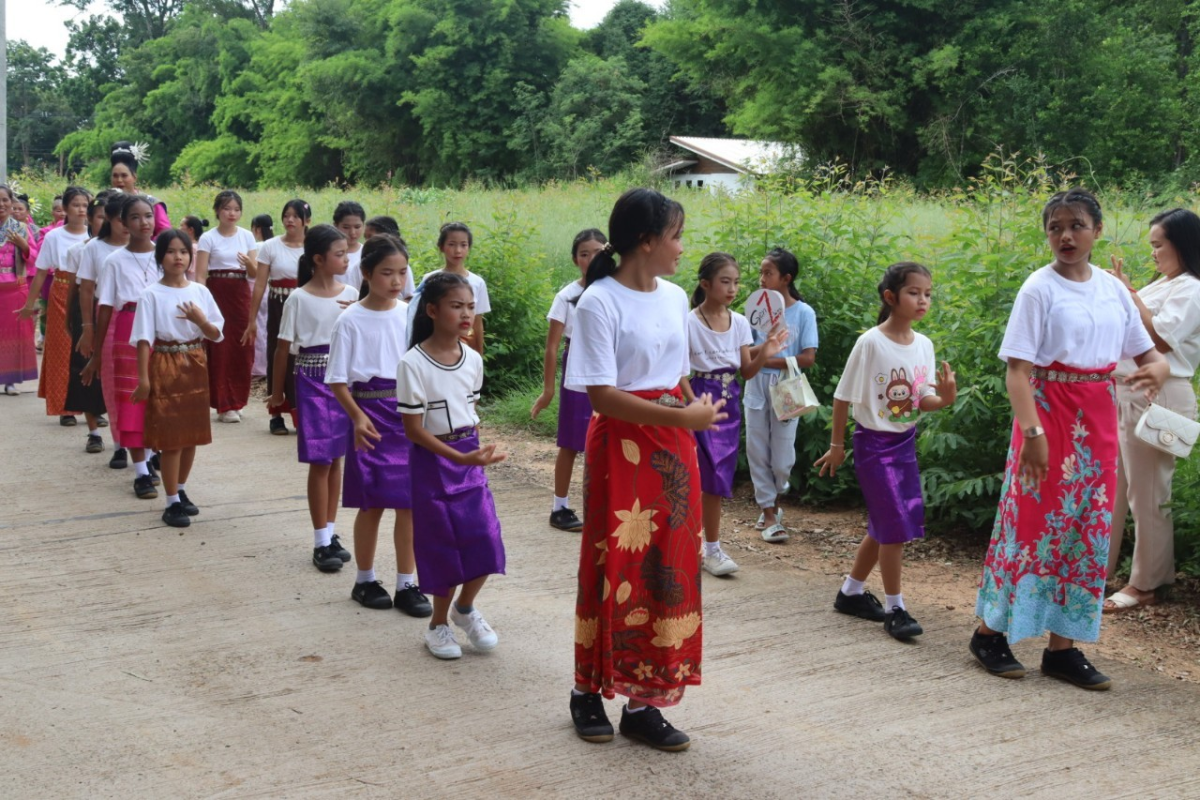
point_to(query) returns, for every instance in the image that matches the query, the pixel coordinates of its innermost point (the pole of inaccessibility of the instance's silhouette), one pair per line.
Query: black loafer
(143, 487)
(176, 517)
(120, 459)
(325, 559)
(371, 594)
(342, 552)
(863, 606)
(189, 507)
(649, 727)
(591, 723)
(278, 427)
(900, 625)
(410, 600)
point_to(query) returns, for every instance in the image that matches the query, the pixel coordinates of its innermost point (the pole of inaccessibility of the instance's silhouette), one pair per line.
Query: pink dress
(18, 361)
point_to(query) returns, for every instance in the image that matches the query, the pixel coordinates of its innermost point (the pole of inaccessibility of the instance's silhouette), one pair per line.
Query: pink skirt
(132, 415)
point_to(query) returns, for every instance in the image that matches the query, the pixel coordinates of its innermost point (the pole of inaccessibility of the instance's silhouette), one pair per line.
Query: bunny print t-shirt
(885, 381)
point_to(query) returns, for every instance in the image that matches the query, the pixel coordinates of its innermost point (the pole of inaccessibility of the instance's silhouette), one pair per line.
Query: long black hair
(71, 192)
(225, 198)
(434, 288)
(265, 224)
(98, 203)
(348, 208)
(164, 241)
(637, 216)
(454, 227)
(194, 226)
(710, 265)
(1182, 229)
(300, 208)
(317, 241)
(587, 235)
(787, 264)
(114, 204)
(893, 281)
(1073, 198)
(123, 153)
(387, 245)
(384, 224)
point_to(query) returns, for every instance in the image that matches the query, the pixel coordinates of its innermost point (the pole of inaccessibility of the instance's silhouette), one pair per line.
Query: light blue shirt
(801, 323)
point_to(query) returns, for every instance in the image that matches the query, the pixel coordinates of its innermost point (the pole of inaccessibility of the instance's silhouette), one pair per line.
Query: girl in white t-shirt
(375, 226)
(276, 270)
(305, 331)
(889, 379)
(455, 242)
(174, 318)
(263, 228)
(639, 563)
(456, 533)
(720, 346)
(350, 218)
(1045, 568)
(574, 410)
(220, 254)
(365, 348)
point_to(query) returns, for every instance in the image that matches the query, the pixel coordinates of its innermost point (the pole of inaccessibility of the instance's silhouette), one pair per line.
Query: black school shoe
(900, 625)
(591, 723)
(1071, 665)
(342, 552)
(649, 727)
(278, 427)
(67, 422)
(143, 487)
(152, 469)
(410, 600)
(993, 653)
(120, 459)
(176, 517)
(326, 559)
(94, 444)
(154, 463)
(863, 606)
(101, 421)
(565, 520)
(189, 507)
(371, 594)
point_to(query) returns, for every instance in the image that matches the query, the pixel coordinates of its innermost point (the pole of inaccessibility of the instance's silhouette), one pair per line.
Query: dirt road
(136, 661)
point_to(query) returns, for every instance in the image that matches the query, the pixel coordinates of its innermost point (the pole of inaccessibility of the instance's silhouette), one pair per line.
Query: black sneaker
(155, 463)
(278, 427)
(1071, 665)
(175, 516)
(143, 487)
(591, 723)
(648, 726)
(565, 520)
(371, 594)
(863, 606)
(101, 421)
(993, 653)
(152, 469)
(67, 421)
(94, 444)
(411, 601)
(326, 559)
(120, 459)
(342, 552)
(900, 625)
(189, 507)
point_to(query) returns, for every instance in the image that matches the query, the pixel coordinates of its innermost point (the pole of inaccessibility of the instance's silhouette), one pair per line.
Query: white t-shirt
(1175, 307)
(710, 350)
(563, 308)
(885, 380)
(446, 395)
(308, 320)
(92, 256)
(283, 259)
(635, 341)
(367, 344)
(70, 264)
(53, 252)
(1085, 325)
(124, 276)
(223, 250)
(158, 315)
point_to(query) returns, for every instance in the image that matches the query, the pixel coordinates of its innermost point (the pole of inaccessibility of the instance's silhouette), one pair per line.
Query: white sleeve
(212, 311)
(746, 335)
(86, 271)
(1137, 339)
(341, 354)
(410, 390)
(1179, 318)
(1026, 327)
(854, 385)
(143, 319)
(106, 284)
(685, 365)
(287, 323)
(205, 243)
(929, 388)
(266, 253)
(482, 304)
(593, 360)
(558, 309)
(410, 285)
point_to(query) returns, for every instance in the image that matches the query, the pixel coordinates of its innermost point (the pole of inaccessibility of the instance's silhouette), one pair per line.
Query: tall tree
(39, 113)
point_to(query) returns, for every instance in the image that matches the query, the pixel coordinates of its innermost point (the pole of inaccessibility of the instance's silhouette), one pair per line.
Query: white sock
(559, 503)
(93, 431)
(320, 537)
(629, 710)
(404, 580)
(140, 468)
(329, 527)
(851, 587)
(891, 601)
(712, 548)
(172, 499)
(365, 576)
(182, 486)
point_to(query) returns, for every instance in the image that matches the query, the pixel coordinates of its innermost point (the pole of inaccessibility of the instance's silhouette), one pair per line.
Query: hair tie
(608, 248)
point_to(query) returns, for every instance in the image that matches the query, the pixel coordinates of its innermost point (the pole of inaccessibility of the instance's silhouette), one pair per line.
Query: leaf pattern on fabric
(631, 452)
(676, 484)
(660, 579)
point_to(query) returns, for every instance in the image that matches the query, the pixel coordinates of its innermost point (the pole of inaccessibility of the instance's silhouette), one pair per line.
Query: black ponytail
(433, 289)
(710, 265)
(893, 281)
(265, 225)
(787, 264)
(317, 242)
(384, 224)
(379, 247)
(113, 204)
(638, 215)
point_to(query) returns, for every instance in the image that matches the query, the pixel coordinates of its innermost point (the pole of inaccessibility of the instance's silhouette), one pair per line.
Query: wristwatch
(1034, 432)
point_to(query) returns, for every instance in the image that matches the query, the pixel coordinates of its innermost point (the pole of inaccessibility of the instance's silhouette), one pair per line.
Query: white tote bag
(792, 396)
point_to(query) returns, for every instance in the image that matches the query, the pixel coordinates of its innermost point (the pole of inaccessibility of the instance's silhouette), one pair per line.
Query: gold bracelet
(831, 444)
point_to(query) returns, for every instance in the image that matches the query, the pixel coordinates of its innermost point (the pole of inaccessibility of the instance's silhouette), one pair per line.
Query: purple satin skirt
(886, 465)
(456, 533)
(378, 478)
(717, 451)
(321, 429)
(574, 412)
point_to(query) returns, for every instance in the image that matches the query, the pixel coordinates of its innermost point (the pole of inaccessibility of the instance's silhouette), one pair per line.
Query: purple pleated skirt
(456, 533)
(321, 429)
(886, 465)
(574, 412)
(378, 478)
(717, 450)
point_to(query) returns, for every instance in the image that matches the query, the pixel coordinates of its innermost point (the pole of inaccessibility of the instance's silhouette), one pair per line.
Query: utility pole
(4, 90)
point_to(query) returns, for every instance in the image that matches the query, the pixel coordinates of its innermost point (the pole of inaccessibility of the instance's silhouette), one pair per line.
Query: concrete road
(139, 662)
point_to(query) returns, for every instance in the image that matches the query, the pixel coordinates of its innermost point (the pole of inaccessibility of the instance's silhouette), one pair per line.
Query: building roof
(740, 155)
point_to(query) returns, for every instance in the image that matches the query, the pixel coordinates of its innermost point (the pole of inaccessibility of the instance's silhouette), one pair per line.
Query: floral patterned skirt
(637, 614)
(1048, 558)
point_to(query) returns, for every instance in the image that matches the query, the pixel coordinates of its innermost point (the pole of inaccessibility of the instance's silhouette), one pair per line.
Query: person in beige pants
(1170, 310)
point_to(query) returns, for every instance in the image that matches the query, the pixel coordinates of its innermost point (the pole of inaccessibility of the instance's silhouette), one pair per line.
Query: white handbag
(793, 396)
(1163, 429)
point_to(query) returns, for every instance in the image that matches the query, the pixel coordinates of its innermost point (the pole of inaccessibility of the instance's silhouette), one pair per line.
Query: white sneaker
(441, 642)
(475, 626)
(720, 564)
(230, 416)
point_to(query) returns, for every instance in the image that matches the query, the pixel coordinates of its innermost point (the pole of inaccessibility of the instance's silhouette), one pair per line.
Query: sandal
(1122, 602)
(775, 534)
(762, 520)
